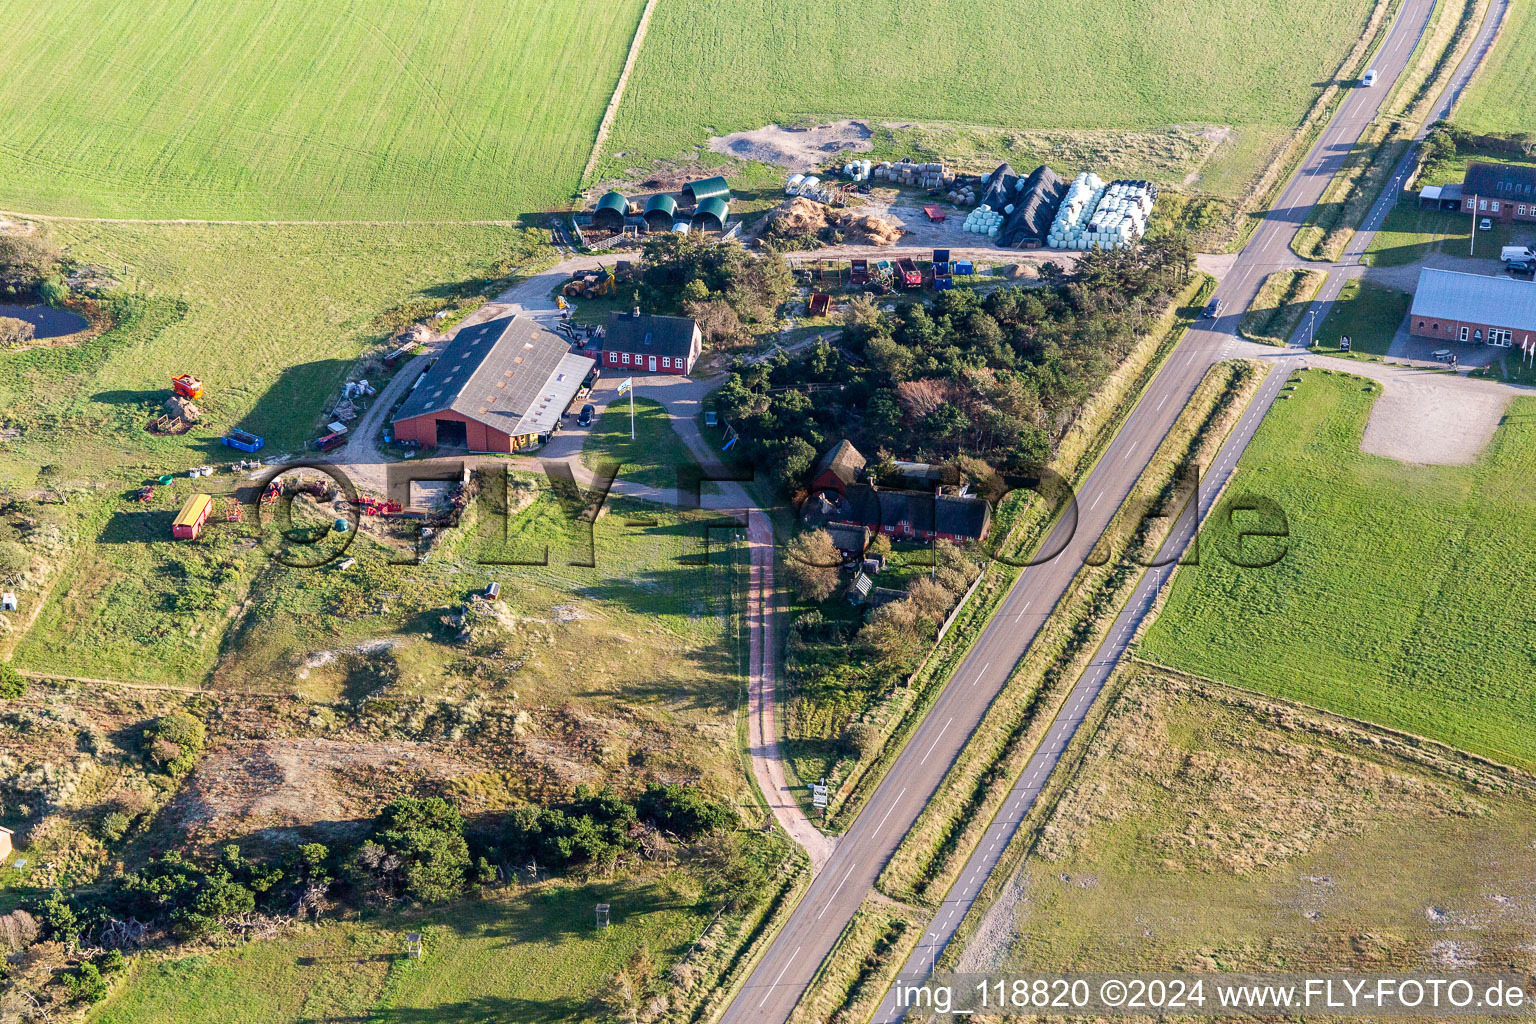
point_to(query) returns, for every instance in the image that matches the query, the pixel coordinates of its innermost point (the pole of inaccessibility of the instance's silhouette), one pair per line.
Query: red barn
(497, 387)
(653, 344)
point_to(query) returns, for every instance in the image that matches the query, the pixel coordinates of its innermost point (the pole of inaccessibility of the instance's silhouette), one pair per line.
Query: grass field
(528, 956)
(655, 455)
(1194, 837)
(1502, 96)
(1368, 314)
(296, 110)
(1409, 234)
(718, 66)
(1277, 309)
(1390, 603)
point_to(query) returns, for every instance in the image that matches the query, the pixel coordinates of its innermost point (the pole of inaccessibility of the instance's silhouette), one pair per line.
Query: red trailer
(189, 521)
(935, 214)
(907, 274)
(860, 272)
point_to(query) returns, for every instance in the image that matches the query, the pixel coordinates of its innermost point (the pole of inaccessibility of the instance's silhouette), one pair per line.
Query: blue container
(964, 267)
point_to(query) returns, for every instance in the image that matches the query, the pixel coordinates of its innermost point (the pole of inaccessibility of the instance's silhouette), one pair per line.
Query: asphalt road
(789, 964)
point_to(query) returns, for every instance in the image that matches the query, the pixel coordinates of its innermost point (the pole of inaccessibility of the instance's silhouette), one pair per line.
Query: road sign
(819, 795)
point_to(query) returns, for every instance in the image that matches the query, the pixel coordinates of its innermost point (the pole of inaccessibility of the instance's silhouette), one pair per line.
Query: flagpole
(631, 412)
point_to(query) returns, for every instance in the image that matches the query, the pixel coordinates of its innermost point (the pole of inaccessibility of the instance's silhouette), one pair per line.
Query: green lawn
(525, 956)
(1392, 603)
(299, 109)
(1368, 314)
(718, 66)
(1502, 97)
(1409, 234)
(655, 455)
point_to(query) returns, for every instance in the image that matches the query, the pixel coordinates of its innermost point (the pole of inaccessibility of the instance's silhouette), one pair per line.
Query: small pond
(49, 322)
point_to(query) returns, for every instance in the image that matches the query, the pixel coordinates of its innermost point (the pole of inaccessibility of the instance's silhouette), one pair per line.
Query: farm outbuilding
(710, 216)
(499, 386)
(696, 192)
(1473, 308)
(660, 212)
(610, 212)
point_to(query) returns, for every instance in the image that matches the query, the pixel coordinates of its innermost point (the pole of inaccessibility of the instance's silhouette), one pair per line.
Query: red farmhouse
(652, 344)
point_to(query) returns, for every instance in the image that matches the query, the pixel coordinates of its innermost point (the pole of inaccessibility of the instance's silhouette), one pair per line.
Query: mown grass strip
(1278, 307)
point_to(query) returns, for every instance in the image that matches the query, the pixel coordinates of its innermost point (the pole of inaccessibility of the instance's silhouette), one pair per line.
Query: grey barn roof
(653, 335)
(1497, 301)
(1500, 181)
(513, 374)
(920, 510)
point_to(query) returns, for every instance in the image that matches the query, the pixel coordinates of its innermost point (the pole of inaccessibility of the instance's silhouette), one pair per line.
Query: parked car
(1521, 267)
(585, 419)
(1212, 309)
(329, 442)
(1486, 225)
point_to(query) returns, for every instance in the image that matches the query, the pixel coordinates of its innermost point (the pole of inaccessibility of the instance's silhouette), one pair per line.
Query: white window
(1464, 333)
(1501, 338)
(1482, 204)
(1520, 210)
(626, 358)
(1495, 206)
(666, 362)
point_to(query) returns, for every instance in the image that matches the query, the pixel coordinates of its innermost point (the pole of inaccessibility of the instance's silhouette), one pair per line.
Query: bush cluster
(597, 828)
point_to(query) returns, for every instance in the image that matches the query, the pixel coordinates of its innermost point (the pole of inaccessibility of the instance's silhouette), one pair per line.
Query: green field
(1502, 97)
(523, 957)
(1392, 601)
(718, 66)
(299, 109)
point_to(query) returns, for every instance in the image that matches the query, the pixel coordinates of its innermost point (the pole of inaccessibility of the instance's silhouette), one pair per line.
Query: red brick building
(1500, 192)
(642, 343)
(497, 387)
(1473, 308)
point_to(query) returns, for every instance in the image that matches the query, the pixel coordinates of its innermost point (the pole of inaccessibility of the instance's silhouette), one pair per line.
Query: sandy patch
(799, 149)
(289, 782)
(1431, 418)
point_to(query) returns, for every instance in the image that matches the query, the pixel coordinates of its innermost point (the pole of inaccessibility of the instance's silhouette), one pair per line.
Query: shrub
(12, 683)
(174, 742)
(417, 851)
(813, 565)
(86, 985)
(684, 811)
(861, 738)
(15, 332)
(114, 826)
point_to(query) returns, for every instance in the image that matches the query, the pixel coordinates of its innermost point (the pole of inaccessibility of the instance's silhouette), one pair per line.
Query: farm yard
(1390, 602)
(712, 68)
(297, 110)
(1190, 840)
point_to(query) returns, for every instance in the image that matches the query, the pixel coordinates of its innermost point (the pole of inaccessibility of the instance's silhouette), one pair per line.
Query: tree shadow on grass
(483, 1009)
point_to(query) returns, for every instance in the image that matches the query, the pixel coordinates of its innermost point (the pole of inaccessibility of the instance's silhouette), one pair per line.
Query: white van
(1369, 79)
(1516, 252)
